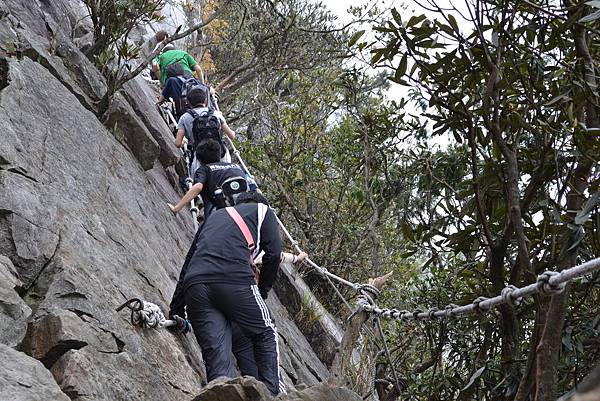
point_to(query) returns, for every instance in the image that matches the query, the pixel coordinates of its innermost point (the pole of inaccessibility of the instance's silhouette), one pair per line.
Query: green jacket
(175, 56)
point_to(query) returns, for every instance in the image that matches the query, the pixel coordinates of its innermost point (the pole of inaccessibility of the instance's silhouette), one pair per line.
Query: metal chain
(549, 282)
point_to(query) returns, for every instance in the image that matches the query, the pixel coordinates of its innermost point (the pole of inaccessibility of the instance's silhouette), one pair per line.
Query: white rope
(146, 314)
(549, 282)
(188, 156)
(321, 270)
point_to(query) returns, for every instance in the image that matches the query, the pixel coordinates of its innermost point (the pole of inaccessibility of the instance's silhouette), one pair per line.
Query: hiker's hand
(174, 209)
(301, 256)
(182, 324)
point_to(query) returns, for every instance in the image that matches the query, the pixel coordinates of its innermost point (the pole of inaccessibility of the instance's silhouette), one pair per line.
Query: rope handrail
(321, 270)
(188, 160)
(549, 282)
(146, 314)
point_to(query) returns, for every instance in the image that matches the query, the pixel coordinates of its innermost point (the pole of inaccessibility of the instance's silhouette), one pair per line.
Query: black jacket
(222, 254)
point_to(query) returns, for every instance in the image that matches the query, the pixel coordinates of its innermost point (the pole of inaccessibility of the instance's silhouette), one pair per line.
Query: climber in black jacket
(213, 176)
(220, 288)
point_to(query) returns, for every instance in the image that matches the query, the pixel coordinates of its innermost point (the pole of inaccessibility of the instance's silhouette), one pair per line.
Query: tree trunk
(340, 367)
(549, 348)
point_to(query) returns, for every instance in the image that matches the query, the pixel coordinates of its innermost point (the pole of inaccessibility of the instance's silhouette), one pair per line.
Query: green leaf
(357, 35)
(453, 22)
(585, 213)
(384, 29)
(457, 137)
(557, 99)
(377, 55)
(407, 231)
(396, 16)
(575, 239)
(414, 20)
(401, 70)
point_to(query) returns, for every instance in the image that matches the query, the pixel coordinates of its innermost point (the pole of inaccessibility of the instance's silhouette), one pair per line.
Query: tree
(513, 84)
(113, 51)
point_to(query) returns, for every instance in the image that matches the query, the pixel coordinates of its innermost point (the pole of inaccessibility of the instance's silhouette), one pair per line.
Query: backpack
(206, 126)
(187, 86)
(172, 70)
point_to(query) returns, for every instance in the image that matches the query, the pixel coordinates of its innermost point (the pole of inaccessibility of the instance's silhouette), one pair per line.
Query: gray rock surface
(84, 226)
(142, 99)
(239, 389)
(298, 361)
(23, 378)
(131, 132)
(249, 389)
(318, 325)
(13, 310)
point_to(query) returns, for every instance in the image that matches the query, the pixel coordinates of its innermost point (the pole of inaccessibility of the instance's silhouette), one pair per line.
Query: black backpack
(206, 126)
(189, 84)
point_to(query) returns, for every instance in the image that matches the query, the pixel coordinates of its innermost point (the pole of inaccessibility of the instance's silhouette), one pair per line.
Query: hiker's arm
(165, 92)
(270, 242)
(199, 72)
(228, 131)
(156, 69)
(291, 258)
(179, 137)
(191, 194)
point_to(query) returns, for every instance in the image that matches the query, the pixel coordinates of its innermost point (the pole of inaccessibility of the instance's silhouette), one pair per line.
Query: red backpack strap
(239, 221)
(242, 226)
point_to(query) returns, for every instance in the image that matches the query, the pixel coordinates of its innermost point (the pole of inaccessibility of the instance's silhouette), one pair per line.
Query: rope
(387, 353)
(188, 160)
(549, 282)
(146, 314)
(321, 270)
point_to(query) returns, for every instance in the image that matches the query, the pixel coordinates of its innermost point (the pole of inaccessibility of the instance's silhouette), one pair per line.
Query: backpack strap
(239, 221)
(242, 226)
(262, 212)
(193, 113)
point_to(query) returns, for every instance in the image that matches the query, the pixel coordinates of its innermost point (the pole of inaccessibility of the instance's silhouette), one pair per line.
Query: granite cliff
(84, 226)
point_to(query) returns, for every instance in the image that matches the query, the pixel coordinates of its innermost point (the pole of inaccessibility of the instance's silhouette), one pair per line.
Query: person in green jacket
(171, 55)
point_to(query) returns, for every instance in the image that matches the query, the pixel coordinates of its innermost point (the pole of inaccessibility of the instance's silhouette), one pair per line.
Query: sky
(396, 92)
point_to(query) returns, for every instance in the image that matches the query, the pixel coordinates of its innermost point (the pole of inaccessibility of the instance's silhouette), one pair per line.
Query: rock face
(316, 323)
(249, 389)
(13, 310)
(84, 226)
(24, 378)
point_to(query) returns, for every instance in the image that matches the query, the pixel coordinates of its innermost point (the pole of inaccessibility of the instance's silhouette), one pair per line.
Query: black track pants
(211, 308)
(243, 350)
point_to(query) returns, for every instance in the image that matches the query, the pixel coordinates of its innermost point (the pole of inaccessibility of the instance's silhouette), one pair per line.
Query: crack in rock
(59, 350)
(176, 387)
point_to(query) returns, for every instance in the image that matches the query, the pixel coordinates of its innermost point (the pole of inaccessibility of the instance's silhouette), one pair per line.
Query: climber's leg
(212, 330)
(243, 305)
(243, 350)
